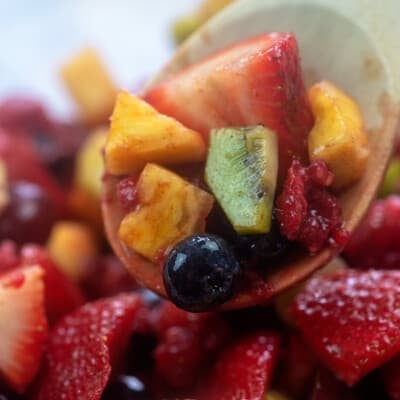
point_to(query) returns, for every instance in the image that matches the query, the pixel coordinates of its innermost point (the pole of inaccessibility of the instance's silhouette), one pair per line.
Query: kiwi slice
(241, 171)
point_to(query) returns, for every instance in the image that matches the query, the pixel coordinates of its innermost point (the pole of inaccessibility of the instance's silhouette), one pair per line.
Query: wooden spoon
(352, 43)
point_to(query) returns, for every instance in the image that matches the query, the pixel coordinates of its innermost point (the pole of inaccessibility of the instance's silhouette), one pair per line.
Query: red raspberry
(306, 211)
(376, 242)
(127, 193)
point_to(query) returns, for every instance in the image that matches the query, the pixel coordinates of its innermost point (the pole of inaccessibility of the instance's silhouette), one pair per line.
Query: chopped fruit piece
(127, 190)
(255, 81)
(306, 211)
(391, 182)
(391, 378)
(241, 170)
(72, 245)
(244, 369)
(186, 25)
(89, 163)
(139, 134)
(351, 320)
(283, 302)
(90, 85)
(169, 210)
(23, 325)
(29, 215)
(376, 241)
(200, 272)
(62, 296)
(186, 343)
(338, 136)
(82, 347)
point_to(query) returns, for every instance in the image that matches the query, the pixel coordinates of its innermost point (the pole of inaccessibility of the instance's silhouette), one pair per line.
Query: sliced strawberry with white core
(23, 325)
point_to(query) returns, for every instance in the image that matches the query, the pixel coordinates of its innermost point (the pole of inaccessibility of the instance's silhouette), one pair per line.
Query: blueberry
(200, 272)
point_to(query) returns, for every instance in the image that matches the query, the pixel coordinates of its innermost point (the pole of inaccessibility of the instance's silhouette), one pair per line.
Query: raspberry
(306, 211)
(376, 242)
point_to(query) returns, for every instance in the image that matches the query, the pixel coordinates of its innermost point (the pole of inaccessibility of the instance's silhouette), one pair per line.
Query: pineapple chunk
(89, 163)
(90, 85)
(139, 134)
(169, 210)
(72, 245)
(338, 136)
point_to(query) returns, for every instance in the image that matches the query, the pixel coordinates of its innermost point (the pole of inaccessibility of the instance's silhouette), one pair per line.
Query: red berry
(306, 211)
(376, 242)
(351, 320)
(126, 192)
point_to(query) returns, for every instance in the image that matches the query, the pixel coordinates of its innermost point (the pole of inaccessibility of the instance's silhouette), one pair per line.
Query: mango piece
(72, 245)
(90, 85)
(139, 134)
(170, 209)
(89, 165)
(338, 136)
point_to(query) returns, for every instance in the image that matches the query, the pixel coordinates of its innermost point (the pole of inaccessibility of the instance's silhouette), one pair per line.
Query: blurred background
(133, 37)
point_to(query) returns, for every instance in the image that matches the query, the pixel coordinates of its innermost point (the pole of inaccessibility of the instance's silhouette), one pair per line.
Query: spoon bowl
(353, 44)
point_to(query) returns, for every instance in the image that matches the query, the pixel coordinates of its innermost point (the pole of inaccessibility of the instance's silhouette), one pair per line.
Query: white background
(132, 36)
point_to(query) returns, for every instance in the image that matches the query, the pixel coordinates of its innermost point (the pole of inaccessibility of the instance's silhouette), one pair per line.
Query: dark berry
(200, 272)
(125, 387)
(29, 215)
(254, 250)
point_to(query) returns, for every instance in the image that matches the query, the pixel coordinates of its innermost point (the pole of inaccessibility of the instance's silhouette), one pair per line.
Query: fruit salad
(220, 172)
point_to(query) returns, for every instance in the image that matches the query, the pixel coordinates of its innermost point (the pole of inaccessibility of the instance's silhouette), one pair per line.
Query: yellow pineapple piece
(169, 210)
(90, 85)
(338, 136)
(89, 163)
(139, 134)
(72, 245)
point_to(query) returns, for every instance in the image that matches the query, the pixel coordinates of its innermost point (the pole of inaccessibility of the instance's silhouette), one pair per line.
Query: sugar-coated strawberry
(82, 347)
(61, 294)
(351, 320)
(23, 325)
(376, 242)
(244, 369)
(186, 342)
(255, 81)
(391, 378)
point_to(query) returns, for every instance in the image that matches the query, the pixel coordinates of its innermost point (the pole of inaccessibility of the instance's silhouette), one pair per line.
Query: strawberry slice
(23, 325)
(244, 369)
(391, 378)
(351, 320)
(62, 295)
(255, 81)
(82, 347)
